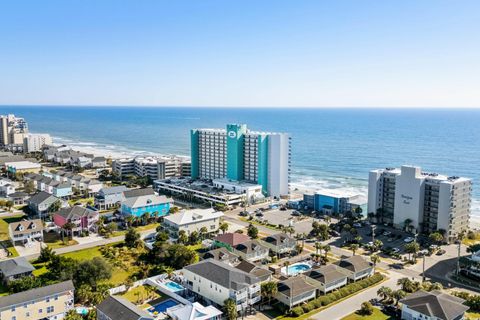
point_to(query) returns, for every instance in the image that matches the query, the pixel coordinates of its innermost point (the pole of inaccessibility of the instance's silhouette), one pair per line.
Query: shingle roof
(25, 226)
(354, 263)
(294, 286)
(253, 269)
(148, 200)
(192, 216)
(15, 266)
(113, 190)
(435, 304)
(277, 239)
(118, 308)
(250, 246)
(232, 239)
(37, 293)
(220, 254)
(75, 212)
(138, 192)
(40, 197)
(222, 274)
(326, 274)
(18, 194)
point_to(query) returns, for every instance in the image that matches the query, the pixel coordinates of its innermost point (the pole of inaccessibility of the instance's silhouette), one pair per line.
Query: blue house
(152, 204)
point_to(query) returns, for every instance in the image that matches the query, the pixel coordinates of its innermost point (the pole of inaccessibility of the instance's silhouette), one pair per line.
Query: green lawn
(85, 254)
(377, 315)
(472, 315)
(71, 202)
(4, 225)
(139, 294)
(54, 241)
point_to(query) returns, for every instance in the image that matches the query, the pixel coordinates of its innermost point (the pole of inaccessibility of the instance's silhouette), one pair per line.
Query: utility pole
(373, 233)
(458, 256)
(423, 272)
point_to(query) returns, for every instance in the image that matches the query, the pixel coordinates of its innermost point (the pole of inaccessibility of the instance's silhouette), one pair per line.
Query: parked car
(259, 214)
(440, 252)
(408, 239)
(357, 225)
(243, 213)
(387, 233)
(395, 250)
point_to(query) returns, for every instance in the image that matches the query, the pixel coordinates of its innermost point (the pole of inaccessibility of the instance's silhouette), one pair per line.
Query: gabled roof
(15, 266)
(250, 246)
(193, 216)
(118, 308)
(41, 197)
(294, 286)
(149, 200)
(98, 159)
(113, 190)
(220, 254)
(354, 263)
(436, 304)
(138, 192)
(37, 293)
(18, 194)
(222, 274)
(278, 239)
(325, 274)
(76, 212)
(253, 269)
(193, 311)
(25, 226)
(232, 238)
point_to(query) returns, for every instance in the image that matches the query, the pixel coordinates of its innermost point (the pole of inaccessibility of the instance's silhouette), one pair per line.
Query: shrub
(296, 312)
(308, 307)
(366, 309)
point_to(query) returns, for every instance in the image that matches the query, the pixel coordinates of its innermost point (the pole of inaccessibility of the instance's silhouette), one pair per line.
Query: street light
(373, 232)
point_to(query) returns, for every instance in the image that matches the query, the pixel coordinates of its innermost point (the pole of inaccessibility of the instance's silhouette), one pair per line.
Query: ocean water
(331, 148)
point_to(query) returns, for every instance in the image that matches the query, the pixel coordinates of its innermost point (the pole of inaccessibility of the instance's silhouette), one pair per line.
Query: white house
(295, 291)
(194, 311)
(192, 220)
(434, 305)
(355, 267)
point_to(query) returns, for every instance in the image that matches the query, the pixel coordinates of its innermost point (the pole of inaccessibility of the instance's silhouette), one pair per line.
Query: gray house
(108, 198)
(14, 269)
(252, 250)
(326, 278)
(355, 267)
(222, 254)
(280, 243)
(434, 305)
(116, 308)
(41, 202)
(295, 291)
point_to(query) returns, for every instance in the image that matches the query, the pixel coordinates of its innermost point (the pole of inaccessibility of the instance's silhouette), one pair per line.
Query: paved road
(352, 304)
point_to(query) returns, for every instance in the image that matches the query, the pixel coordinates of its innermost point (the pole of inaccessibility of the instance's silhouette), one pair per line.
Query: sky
(298, 53)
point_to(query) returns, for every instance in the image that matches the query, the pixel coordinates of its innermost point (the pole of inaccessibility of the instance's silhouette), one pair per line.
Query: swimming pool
(173, 286)
(82, 311)
(296, 268)
(162, 306)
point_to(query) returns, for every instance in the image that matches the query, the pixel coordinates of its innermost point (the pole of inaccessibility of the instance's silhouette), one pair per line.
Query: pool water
(295, 269)
(82, 311)
(162, 306)
(173, 286)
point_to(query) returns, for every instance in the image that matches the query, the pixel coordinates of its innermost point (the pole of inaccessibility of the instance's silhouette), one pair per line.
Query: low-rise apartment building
(160, 167)
(26, 231)
(48, 302)
(216, 282)
(192, 220)
(22, 167)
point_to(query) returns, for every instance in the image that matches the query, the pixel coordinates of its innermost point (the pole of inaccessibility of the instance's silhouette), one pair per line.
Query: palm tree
(318, 247)
(182, 237)
(230, 308)
(203, 232)
(68, 227)
(269, 290)
(354, 247)
(129, 220)
(326, 249)
(375, 259)
(223, 227)
(407, 224)
(287, 263)
(408, 285)
(385, 293)
(398, 295)
(412, 248)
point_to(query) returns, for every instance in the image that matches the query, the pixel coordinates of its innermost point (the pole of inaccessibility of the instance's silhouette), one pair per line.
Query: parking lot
(301, 224)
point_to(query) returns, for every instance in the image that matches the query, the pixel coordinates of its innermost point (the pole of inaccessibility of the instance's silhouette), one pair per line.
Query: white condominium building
(429, 200)
(12, 132)
(153, 167)
(35, 142)
(237, 154)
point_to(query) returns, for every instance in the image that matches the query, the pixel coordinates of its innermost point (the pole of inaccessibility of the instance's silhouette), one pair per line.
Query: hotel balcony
(253, 289)
(254, 300)
(241, 296)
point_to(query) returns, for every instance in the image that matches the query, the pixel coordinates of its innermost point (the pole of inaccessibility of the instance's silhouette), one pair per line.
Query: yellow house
(49, 302)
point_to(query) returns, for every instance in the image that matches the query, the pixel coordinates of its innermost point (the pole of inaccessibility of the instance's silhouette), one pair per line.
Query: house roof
(15, 266)
(37, 293)
(435, 304)
(98, 159)
(220, 254)
(120, 309)
(294, 286)
(325, 274)
(138, 192)
(193, 216)
(253, 269)
(223, 274)
(278, 238)
(250, 246)
(76, 212)
(149, 200)
(232, 238)
(25, 226)
(113, 190)
(40, 197)
(18, 194)
(354, 263)
(194, 311)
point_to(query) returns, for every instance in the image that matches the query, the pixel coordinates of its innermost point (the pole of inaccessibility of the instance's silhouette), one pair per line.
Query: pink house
(83, 219)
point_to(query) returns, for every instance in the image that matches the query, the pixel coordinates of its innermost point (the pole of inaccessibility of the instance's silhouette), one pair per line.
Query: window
(40, 310)
(50, 309)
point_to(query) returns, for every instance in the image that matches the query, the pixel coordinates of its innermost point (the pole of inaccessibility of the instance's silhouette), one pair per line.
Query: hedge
(331, 297)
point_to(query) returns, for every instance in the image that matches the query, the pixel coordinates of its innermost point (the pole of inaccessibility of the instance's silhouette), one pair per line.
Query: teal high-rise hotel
(239, 154)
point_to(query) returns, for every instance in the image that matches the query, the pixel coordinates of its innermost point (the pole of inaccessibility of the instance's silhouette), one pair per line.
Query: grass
(84, 254)
(4, 225)
(54, 241)
(71, 202)
(40, 268)
(469, 242)
(138, 294)
(472, 315)
(376, 315)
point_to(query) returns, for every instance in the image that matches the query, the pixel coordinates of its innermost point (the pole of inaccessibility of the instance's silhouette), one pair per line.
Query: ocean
(331, 148)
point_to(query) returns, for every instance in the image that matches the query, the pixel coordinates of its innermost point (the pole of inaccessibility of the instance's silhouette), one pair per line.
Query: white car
(387, 233)
(395, 250)
(408, 240)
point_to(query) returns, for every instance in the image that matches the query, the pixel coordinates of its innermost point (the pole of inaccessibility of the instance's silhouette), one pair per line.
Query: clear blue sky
(240, 53)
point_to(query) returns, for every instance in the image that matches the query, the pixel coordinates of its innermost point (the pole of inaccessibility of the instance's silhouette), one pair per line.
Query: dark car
(243, 213)
(440, 252)
(259, 214)
(295, 213)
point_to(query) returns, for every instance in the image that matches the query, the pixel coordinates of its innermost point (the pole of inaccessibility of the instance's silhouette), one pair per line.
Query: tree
(173, 210)
(366, 309)
(398, 295)
(129, 220)
(54, 207)
(385, 293)
(73, 315)
(182, 237)
(132, 238)
(408, 285)
(24, 284)
(377, 244)
(318, 247)
(375, 259)
(230, 309)
(252, 231)
(29, 187)
(436, 237)
(429, 286)
(176, 256)
(194, 237)
(203, 232)
(326, 249)
(269, 290)
(67, 228)
(354, 247)
(412, 248)
(223, 227)
(46, 254)
(62, 268)
(407, 223)
(92, 271)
